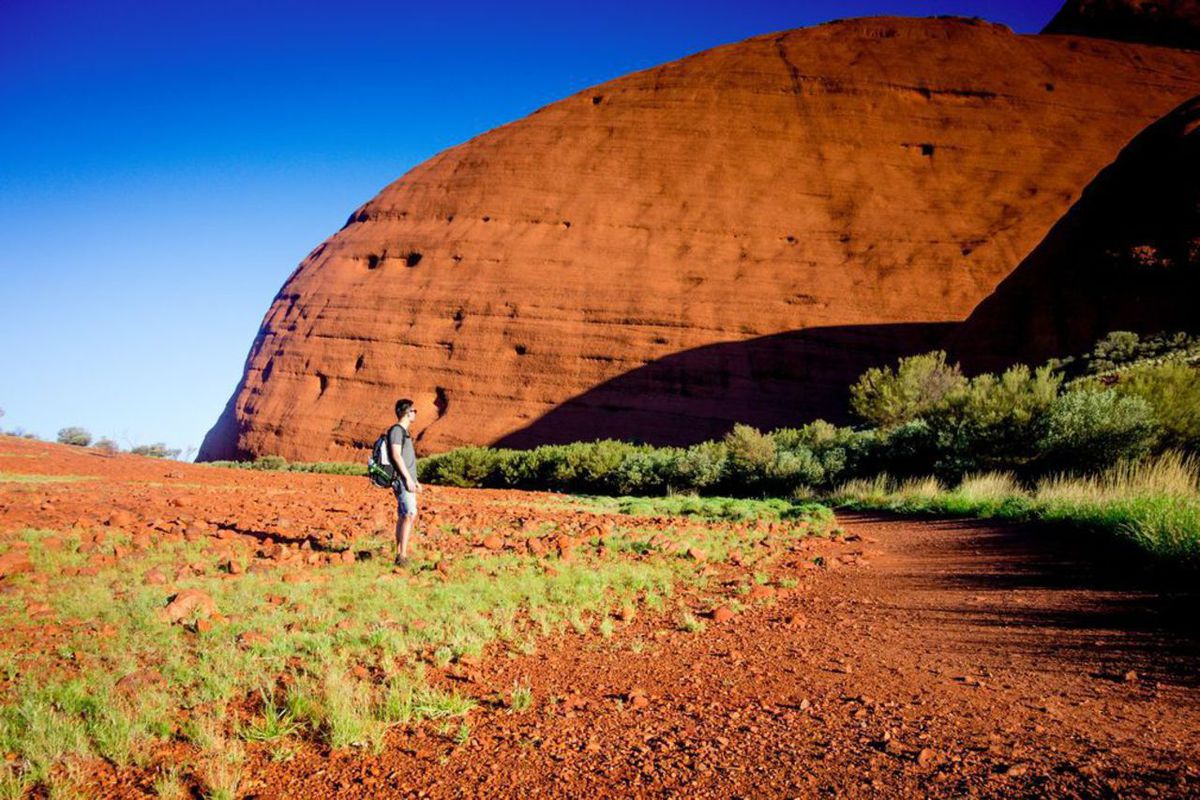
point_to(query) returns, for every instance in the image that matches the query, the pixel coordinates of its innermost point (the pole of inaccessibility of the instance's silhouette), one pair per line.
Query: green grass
(1154, 504)
(20, 477)
(280, 464)
(712, 508)
(342, 659)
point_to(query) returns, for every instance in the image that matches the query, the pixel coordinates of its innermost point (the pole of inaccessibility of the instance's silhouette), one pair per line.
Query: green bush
(1173, 390)
(156, 450)
(887, 397)
(75, 435)
(1088, 430)
(699, 467)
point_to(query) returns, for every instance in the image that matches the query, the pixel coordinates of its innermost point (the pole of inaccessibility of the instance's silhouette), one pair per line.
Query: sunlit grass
(20, 477)
(1154, 503)
(339, 659)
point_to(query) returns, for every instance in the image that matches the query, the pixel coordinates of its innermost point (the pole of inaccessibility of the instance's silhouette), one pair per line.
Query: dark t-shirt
(402, 443)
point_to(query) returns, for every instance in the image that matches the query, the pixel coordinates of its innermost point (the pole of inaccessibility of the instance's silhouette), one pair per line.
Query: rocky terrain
(731, 236)
(882, 657)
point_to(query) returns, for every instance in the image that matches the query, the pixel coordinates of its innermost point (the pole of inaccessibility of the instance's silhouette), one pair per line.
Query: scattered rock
(722, 614)
(1130, 677)
(761, 592)
(696, 554)
(190, 602)
(14, 562)
(637, 699)
(248, 639)
(492, 542)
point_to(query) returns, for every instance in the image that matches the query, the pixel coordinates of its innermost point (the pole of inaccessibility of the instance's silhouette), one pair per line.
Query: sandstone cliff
(1125, 257)
(1172, 23)
(725, 237)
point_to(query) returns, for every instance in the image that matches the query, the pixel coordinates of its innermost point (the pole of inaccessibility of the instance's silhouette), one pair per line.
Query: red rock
(36, 610)
(248, 639)
(120, 519)
(761, 592)
(295, 577)
(696, 554)
(14, 562)
(204, 625)
(637, 699)
(492, 542)
(919, 111)
(348, 557)
(722, 614)
(190, 602)
(155, 577)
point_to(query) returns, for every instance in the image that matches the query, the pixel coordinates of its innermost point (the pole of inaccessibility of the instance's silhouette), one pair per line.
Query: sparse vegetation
(281, 464)
(74, 435)
(1154, 504)
(156, 450)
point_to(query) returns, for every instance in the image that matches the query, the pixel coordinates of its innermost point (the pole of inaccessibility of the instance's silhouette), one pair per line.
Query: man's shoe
(401, 561)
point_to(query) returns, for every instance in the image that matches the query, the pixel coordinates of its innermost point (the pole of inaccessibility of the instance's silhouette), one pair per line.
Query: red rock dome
(731, 236)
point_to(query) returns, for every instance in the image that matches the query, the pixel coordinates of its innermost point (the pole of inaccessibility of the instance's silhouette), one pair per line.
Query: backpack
(380, 469)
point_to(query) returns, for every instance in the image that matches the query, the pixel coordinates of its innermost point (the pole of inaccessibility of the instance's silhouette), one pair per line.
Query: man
(404, 459)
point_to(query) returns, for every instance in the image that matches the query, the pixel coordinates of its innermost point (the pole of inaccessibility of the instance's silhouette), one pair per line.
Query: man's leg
(404, 529)
(406, 507)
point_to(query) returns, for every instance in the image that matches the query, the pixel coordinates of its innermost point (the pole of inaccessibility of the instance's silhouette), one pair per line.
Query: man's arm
(407, 480)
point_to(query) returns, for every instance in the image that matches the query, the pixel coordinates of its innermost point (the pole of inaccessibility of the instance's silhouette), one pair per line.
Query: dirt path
(958, 659)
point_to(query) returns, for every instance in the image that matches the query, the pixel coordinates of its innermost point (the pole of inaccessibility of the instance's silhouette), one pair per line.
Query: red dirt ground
(928, 658)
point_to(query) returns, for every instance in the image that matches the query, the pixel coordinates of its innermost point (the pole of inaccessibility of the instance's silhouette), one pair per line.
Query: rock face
(637, 258)
(1173, 23)
(1125, 257)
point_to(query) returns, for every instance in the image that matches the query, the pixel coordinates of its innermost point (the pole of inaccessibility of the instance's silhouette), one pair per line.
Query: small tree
(888, 398)
(156, 450)
(75, 435)
(107, 445)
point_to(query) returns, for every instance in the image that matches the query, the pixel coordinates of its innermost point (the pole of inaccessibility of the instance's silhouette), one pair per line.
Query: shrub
(750, 456)
(700, 466)
(889, 397)
(75, 436)
(1173, 390)
(106, 445)
(467, 467)
(990, 422)
(1088, 429)
(156, 450)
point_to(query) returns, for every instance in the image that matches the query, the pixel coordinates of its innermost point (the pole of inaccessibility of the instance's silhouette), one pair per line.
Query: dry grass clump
(993, 487)
(1155, 502)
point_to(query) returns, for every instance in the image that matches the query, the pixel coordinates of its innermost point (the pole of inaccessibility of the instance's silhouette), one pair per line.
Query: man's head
(404, 409)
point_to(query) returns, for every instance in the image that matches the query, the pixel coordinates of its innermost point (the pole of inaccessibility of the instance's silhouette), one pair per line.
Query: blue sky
(164, 165)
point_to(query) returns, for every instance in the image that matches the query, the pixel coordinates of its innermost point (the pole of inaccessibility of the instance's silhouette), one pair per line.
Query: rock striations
(726, 237)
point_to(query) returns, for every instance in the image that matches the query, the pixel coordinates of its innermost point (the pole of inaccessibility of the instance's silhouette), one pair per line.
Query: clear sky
(165, 164)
